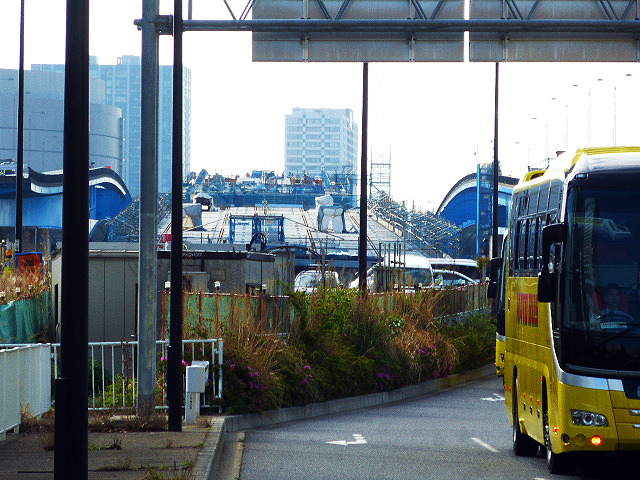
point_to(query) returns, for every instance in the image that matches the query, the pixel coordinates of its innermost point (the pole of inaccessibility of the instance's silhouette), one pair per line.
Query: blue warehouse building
(468, 204)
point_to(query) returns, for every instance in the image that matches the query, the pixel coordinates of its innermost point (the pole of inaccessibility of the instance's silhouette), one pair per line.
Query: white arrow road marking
(496, 397)
(358, 440)
(485, 445)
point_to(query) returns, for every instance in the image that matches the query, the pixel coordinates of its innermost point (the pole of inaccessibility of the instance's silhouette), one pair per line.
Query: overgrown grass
(342, 344)
(23, 285)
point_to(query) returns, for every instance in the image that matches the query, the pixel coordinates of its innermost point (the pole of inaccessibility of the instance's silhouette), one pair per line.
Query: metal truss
(515, 16)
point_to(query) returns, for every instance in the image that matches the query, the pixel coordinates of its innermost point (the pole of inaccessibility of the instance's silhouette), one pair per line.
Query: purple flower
(163, 359)
(307, 367)
(232, 366)
(185, 363)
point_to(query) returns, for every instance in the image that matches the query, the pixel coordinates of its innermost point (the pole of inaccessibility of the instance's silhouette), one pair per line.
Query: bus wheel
(523, 445)
(557, 463)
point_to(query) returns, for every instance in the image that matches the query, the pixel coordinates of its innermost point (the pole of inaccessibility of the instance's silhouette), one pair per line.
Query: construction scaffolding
(380, 177)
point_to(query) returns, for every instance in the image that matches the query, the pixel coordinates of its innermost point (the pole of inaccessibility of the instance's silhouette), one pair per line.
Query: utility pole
(174, 372)
(20, 146)
(148, 264)
(495, 248)
(362, 244)
(71, 430)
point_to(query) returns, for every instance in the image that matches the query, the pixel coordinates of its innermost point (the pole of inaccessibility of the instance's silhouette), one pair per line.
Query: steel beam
(507, 25)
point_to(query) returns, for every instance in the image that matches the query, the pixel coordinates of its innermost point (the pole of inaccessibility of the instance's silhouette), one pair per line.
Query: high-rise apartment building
(320, 140)
(122, 89)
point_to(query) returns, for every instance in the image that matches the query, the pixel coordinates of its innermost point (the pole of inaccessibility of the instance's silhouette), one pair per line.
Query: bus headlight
(588, 419)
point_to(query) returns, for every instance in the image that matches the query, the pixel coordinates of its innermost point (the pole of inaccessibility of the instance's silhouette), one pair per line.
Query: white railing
(113, 381)
(25, 383)
(113, 372)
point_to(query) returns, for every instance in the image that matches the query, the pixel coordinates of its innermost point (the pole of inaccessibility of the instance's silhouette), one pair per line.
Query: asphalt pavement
(193, 453)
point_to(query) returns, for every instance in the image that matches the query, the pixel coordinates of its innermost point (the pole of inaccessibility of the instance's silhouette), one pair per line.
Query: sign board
(433, 30)
(358, 46)
(540, 46)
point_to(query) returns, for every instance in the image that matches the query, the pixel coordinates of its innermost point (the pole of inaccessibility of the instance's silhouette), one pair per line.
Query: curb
(209, 457)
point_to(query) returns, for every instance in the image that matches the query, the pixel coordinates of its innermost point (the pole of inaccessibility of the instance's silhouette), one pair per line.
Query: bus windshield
(601, 322)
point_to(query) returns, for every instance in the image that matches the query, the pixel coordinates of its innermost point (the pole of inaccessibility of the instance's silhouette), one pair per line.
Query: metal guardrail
(112, 372)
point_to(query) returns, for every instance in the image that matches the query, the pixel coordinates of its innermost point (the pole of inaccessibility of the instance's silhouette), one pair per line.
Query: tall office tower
(122, 89)
(321, 140)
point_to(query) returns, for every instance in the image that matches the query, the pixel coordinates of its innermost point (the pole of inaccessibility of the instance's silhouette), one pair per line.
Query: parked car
(451, 278)
(415, 274)
(310, 280)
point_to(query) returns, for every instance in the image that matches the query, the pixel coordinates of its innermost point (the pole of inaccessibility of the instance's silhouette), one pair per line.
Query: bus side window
(555, 195)
(522, 252)
(533, 202)
(513, 244)
(524, 204)
(543, 223)
(529, 247)
(536, 235)
(516, 248)
(543, 203)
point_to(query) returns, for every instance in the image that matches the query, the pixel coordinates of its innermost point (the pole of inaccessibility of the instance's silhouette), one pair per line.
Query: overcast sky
(435, 121)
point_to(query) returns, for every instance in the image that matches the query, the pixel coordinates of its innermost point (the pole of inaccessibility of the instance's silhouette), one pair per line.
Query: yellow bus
(571, 343)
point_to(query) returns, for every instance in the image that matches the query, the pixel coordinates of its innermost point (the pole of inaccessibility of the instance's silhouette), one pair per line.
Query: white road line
(358, 440)
(485, 445)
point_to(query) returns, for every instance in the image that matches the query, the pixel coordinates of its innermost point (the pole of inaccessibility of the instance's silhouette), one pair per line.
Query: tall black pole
(71, 435)
(495, 248)
(20, 147)
(174, 376)
(362, 244)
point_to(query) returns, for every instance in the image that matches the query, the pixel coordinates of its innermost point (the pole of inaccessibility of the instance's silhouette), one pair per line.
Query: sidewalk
(193, 453)
(119, 455)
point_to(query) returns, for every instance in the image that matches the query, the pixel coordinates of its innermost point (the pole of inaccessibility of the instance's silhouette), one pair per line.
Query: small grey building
(113, 281)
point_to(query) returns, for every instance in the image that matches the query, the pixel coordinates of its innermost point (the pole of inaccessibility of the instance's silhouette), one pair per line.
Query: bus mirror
(551, 234)
(494, 274)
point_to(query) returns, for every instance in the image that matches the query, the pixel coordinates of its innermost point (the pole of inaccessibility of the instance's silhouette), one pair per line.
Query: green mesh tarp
(24, 321)
(207, 314)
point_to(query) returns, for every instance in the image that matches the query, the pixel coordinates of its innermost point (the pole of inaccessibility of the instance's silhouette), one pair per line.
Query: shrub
(475, 340)
(343, 344)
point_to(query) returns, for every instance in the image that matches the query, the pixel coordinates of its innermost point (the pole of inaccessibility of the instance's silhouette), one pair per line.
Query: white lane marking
(357, 440)
(496, 397)
(539, 478)
(485, 445)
